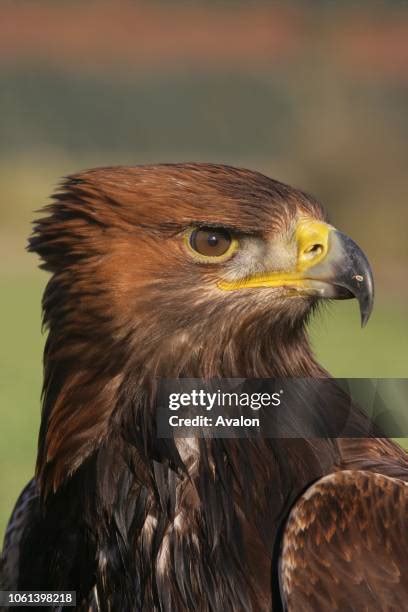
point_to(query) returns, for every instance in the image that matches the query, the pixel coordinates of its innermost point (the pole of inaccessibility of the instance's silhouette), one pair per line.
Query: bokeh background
(312, 93)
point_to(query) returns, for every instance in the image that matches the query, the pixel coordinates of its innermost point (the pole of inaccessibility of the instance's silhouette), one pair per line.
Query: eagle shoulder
(345, 545)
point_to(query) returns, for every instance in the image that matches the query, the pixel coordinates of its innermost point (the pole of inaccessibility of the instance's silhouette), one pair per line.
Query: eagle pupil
(212, 240)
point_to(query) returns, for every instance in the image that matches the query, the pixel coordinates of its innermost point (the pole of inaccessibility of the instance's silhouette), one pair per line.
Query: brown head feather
(123, 297)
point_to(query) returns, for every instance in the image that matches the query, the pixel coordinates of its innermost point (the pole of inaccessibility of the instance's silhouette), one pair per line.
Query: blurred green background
(311, 93)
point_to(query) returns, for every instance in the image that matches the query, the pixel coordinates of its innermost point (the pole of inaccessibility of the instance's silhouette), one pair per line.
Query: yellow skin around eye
(199, 258)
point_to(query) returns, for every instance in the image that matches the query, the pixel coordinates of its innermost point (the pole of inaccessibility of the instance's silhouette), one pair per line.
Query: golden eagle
(205, 271)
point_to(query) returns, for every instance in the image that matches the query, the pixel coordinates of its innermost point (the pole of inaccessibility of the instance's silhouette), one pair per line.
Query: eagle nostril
(314, 249)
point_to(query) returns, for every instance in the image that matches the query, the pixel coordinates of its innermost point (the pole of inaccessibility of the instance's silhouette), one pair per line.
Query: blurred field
(311, 93)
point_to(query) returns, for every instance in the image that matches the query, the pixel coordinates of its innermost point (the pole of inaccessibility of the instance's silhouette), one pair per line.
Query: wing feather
(21, 515)
(345, 545)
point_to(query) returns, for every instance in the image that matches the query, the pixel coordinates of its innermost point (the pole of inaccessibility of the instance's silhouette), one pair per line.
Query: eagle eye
(211, 242)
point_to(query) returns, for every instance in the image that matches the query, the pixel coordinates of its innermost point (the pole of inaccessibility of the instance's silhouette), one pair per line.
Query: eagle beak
(342, 272)
(328, 265)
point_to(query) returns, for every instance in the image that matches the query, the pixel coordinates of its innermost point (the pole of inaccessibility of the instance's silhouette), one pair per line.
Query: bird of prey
(197, 271)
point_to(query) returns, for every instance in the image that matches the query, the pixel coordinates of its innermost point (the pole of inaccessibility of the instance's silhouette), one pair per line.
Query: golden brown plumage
(344, 545)
(156, 524)
(112, 242)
